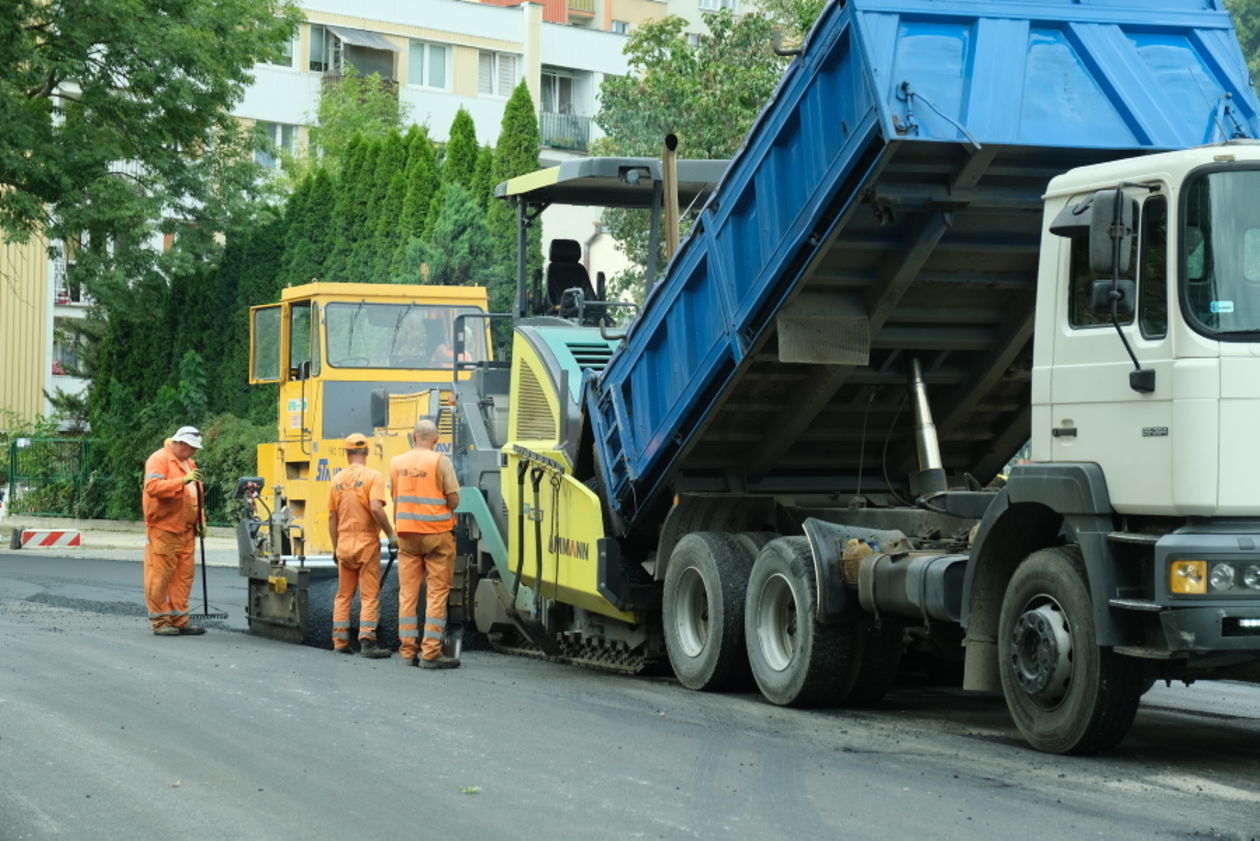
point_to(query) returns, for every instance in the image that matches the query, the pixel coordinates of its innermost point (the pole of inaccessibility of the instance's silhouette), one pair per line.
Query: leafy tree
(84, 89)
(355, 105)
(708, 94)
(515, 154)
(794, 17)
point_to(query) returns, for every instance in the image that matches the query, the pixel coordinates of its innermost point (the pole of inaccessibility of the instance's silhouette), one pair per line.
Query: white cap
(188, 435)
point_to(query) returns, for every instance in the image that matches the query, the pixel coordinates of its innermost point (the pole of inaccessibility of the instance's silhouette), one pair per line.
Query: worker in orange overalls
(172, 488)
(426, 493)
(356, 518)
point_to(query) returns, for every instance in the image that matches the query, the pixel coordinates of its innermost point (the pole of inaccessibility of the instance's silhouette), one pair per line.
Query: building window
(426, 65)
(708, 5)
(496, 74)
(319, 61)
(67, 347)
(285, 59)
(693, 39)
(557, 93)
(280, 137)
(620, 27)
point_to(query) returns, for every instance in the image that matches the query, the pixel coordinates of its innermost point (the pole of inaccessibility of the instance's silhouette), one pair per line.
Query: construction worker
(356, 518)
(426, 493)
(172, 517)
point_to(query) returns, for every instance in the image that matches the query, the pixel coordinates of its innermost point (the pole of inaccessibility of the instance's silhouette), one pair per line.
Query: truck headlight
(1188, 578)
(1251, 576)
(1221, 576)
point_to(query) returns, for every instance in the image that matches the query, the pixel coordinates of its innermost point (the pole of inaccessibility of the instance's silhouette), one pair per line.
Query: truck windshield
(400, 336)
(1221, 247)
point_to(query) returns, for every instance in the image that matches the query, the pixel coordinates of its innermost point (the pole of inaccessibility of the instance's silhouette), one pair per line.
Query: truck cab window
(1080, 313)
(1153, 283)
(1221, 247)
(299, 338)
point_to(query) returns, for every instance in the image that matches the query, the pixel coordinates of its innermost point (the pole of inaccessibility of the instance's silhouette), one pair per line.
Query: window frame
(1143, 308)
(412, 43)
(495, 75)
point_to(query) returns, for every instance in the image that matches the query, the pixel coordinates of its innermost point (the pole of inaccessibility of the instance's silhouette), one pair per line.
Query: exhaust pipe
(930, 480)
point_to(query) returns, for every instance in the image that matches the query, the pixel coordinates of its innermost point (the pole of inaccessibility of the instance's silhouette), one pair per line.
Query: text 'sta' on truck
(956, 227)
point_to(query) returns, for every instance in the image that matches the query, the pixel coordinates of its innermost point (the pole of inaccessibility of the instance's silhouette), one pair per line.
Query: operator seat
(565, 271)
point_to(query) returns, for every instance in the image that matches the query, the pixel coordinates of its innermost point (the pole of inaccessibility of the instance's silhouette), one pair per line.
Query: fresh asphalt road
(109, 732)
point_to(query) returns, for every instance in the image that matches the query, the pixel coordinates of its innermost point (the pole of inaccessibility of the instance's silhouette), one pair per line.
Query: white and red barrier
(50, 538)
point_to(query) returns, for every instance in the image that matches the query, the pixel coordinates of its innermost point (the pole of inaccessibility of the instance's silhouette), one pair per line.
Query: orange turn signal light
(1188, 578)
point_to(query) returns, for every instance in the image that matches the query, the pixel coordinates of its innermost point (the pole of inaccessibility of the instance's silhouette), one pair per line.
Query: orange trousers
(421, 557)
(168, 576)
(361, 571)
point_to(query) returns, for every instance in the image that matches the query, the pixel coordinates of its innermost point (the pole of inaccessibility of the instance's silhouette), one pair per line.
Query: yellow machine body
(565, 520)
(370, 358)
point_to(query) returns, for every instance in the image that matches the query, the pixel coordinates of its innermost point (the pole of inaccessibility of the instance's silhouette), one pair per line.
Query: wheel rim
(776, 622)
(691, 618)
(1041, 651)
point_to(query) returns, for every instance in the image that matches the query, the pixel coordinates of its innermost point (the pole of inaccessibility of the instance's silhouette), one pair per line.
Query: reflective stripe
(435, 620)
(345, 624)
(423, 500)
(159, 615)
(407, 635)
(406, 620)
(425, 518)
(156, 476)
(178, 613)
(433, 635)
(367, 626)
(341, 635)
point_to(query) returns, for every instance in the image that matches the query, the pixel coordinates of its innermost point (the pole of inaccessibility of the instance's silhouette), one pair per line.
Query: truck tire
(1066, 694)
(873, 663)
(703, 605)
(796, 660)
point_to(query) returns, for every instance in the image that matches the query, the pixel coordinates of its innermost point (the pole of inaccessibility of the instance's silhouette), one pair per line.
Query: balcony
(570, 132)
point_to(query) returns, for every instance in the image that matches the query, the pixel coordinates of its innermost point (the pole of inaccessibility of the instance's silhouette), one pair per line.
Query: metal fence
(564, 131)
(53, 477)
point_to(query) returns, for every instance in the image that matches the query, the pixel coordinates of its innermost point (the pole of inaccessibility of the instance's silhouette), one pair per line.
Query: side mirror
(1124, 292)
(378, 408)
(1111, 224)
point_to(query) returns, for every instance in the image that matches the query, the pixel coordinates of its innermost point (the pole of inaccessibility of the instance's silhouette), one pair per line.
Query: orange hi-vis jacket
(169, 504)
(419, 498)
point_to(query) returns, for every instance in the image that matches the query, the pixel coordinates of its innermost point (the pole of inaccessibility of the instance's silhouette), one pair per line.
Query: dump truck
(954, 229)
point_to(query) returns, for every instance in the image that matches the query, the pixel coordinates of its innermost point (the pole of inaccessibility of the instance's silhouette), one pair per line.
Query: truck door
(265, 345)
(1096, 416)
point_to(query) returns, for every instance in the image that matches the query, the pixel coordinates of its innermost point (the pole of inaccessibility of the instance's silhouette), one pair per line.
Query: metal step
(1136, 604)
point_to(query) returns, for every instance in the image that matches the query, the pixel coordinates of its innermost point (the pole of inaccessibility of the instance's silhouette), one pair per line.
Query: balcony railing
(571, 132)
(587, 6)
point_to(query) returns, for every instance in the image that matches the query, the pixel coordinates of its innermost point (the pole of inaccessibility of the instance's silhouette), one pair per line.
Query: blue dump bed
(886, 204)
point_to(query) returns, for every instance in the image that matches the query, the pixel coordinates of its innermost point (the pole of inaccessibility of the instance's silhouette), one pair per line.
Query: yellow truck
(355, 357)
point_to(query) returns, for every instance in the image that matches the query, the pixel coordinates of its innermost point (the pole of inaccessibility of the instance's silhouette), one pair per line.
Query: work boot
(370, 650)
(345, 649)
(166, 631)
(440, 662)
(411, 661)
(191, 630)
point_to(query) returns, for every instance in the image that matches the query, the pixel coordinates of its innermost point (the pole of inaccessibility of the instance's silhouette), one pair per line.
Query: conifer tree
(388, 223)
(421, 185)
(362, 230)
(483, 177)
(515, 154)
(305, 254)
(460, 162)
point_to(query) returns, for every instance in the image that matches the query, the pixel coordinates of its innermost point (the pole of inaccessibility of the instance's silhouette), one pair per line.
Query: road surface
(109, 732)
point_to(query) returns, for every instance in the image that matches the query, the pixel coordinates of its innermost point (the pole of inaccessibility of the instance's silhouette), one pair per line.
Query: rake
(205, 590)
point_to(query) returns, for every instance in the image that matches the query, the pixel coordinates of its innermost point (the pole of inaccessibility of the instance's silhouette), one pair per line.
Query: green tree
(351, 106)
(515, 154)
(150, 82)
(793, 17)
(458, 250)
(460, 162)
(708, 94)
(483, 177)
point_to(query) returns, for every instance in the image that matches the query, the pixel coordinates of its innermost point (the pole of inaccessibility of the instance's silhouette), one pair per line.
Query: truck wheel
(874, 662)
(703, 606)
(1065, 693)
(795, 660)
